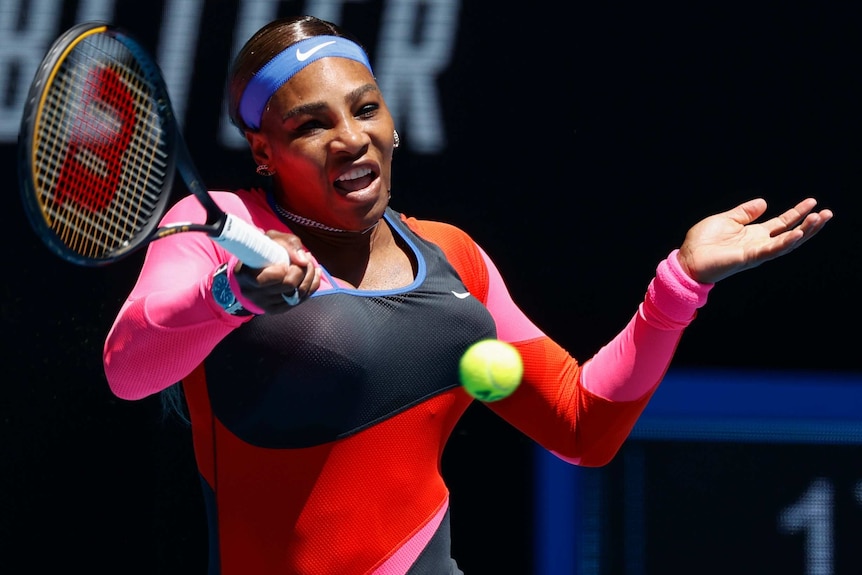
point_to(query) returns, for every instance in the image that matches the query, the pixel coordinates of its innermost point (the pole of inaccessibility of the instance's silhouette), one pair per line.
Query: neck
(309, 223)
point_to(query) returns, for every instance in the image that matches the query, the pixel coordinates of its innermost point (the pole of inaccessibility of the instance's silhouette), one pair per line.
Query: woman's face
(328, 135)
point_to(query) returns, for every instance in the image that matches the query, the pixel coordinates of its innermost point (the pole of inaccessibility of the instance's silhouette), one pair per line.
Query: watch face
(222, 292)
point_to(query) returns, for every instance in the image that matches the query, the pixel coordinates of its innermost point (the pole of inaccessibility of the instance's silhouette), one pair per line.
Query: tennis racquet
(98, 149)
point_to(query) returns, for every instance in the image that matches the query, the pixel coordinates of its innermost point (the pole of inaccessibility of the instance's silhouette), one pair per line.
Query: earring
(397, 138)
(263, 170)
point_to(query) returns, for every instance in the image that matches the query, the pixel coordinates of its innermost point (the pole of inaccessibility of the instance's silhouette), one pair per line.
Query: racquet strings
(100, 148)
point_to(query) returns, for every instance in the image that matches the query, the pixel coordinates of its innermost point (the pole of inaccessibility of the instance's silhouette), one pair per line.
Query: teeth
(354, 173)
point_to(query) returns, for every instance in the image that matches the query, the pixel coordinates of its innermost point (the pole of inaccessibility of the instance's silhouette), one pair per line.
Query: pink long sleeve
(170, 321)
(633, 363)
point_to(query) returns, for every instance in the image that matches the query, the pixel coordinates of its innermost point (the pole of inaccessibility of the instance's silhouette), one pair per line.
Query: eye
(367, 110)
(309, 125)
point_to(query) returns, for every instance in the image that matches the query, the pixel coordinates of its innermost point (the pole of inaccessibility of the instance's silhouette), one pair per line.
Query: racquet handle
(253, 248)
(249, 244)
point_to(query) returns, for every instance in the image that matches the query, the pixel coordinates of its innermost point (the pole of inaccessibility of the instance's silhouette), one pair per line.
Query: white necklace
(303, 221)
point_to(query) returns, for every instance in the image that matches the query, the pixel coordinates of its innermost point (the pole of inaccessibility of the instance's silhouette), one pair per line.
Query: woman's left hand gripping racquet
(98, 148)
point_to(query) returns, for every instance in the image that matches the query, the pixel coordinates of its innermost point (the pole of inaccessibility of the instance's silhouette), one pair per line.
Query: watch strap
(233, 305)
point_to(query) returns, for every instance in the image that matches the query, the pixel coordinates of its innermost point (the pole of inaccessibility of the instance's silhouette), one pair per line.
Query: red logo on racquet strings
(99, 137)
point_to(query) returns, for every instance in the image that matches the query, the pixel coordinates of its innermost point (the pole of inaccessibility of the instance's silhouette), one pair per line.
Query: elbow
(121, 382)
(599, 460)
(121, 388)
(130, 380)
(586, 460)
(598, 455)
(126, 393)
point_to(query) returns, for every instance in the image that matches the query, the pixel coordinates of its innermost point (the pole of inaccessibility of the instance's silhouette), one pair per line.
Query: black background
(583, 142)
(711, 508)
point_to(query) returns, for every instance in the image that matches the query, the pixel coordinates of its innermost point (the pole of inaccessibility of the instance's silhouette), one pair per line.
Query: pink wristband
(674, 294)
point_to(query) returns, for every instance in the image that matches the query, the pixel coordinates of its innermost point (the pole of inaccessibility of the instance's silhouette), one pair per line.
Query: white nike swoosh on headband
(303, 56)
(461, 295)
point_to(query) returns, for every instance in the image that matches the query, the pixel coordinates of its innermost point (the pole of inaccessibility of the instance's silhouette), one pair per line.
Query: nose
(350, 137)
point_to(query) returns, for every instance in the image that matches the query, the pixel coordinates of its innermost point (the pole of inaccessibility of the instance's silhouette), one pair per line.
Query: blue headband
(275, 73)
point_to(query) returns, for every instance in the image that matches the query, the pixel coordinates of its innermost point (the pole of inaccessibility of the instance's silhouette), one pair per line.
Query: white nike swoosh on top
(303, 56)
(460, 295)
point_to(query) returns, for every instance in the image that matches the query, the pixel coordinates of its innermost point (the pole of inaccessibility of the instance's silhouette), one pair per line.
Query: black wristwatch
(224, 295)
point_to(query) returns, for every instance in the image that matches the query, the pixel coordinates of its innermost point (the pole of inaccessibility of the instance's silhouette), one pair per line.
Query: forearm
(170, 321)
(158, 339)
(635, 361)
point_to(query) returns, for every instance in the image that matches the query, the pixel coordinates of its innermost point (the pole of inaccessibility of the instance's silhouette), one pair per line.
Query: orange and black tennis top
(319, 432)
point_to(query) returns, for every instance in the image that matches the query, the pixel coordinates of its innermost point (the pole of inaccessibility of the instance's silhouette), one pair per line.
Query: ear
(259, 147)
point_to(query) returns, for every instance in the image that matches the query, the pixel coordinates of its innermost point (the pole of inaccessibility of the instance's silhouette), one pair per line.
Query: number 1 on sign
(811, 514)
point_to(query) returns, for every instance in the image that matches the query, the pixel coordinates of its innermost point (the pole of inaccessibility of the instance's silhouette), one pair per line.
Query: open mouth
(355, 179)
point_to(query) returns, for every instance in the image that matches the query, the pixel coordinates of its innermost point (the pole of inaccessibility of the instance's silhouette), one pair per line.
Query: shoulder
(250, 205)
(439, 232)
(249, 201)
(460, 249)
(227, 200)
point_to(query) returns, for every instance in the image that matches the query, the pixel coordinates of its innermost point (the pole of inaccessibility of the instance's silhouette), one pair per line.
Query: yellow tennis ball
(491, 369)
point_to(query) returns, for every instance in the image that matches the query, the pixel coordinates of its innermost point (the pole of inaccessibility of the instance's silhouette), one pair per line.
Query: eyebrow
(313, 107)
